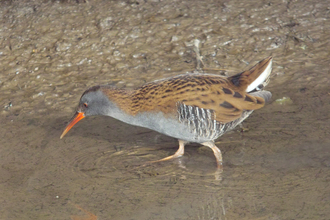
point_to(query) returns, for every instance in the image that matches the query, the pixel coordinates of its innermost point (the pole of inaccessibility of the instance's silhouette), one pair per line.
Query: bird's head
(92, 102)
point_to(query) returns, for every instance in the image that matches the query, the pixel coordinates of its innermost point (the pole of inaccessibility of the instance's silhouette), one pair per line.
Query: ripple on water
(99, 161)
(132, 164)
(269, 177)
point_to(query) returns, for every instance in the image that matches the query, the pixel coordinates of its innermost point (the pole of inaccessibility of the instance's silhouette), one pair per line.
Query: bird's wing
(211, 92)
(226, 103)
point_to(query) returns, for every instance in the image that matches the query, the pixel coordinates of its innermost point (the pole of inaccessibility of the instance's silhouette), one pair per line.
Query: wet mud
(51, 51)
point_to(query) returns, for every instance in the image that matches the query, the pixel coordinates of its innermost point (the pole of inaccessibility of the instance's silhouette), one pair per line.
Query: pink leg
(177, 154)
(216, 151)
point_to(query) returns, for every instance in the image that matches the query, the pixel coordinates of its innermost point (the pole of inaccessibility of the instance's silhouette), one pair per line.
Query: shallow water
(51, 51)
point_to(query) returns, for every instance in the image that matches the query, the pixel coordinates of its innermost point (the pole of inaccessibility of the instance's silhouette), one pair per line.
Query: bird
(191, 107)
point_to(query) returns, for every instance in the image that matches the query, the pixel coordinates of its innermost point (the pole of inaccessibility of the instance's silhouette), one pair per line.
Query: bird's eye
(85, 104)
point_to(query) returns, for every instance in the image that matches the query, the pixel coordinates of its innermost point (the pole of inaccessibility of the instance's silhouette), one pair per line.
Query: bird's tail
(255, 78)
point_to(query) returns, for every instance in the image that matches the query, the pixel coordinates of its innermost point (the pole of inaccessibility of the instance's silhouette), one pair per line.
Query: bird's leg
(216, 151)
(177, 154)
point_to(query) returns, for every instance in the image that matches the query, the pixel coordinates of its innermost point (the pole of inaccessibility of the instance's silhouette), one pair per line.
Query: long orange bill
(77, 117)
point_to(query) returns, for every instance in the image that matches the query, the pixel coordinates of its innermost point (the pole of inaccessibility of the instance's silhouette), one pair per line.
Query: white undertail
(264, 76)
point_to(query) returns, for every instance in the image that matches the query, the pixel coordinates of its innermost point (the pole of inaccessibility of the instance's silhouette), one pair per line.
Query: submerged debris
(284, 101)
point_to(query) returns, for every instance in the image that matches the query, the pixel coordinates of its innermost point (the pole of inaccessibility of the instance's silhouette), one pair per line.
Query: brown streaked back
(225, 96)
(204, 91)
